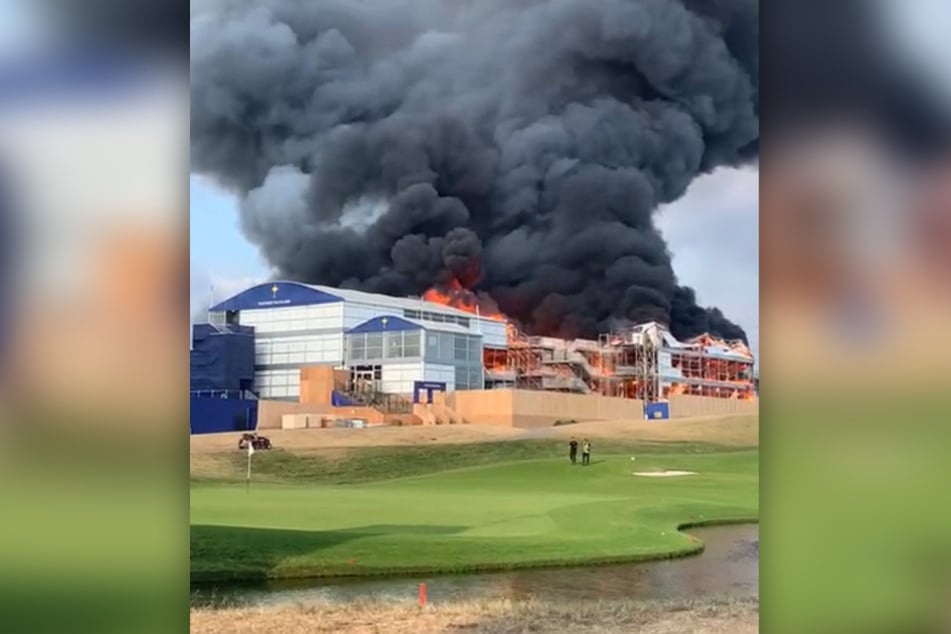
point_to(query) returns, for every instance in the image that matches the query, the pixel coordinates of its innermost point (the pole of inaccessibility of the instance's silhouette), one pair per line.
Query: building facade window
(411, 344)
(378, 346)
(436, 318)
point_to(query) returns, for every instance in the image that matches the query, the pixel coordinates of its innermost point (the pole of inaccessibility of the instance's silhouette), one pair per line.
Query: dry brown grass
(211, 454)
(489, 617)
(730, 431)
(723, 430)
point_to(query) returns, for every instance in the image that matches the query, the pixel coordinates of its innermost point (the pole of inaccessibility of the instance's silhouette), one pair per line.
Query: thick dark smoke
(520, 146)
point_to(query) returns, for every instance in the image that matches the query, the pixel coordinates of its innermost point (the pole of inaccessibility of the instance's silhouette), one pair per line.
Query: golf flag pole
(250, 453)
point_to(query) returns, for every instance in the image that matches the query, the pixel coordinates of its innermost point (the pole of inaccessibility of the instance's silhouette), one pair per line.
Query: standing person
(586, 453)
(573, 450)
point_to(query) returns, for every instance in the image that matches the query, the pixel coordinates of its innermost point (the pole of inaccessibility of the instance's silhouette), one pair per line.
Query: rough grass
(488, 617)
(351, 465)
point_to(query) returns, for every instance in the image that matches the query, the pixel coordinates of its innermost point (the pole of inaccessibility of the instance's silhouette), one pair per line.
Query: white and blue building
(392, 342)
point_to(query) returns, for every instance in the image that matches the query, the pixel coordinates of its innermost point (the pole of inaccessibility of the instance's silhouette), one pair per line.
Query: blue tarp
(338, 399)
(657, 411)
(215, 415)
(222, 360)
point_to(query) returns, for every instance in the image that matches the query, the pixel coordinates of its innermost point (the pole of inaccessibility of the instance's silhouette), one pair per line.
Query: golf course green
(454, 508)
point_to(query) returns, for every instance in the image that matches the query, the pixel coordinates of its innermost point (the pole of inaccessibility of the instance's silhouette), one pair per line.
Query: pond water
(728, 567)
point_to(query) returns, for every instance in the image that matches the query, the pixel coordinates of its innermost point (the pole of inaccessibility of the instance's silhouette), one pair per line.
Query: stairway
(378, 400)
(433, 413)
(583, 372)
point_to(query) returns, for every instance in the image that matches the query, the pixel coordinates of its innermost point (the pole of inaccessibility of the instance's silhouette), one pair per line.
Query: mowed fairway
(509, 513)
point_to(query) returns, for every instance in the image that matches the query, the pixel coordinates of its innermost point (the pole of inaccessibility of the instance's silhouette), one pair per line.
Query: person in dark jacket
(573, 450)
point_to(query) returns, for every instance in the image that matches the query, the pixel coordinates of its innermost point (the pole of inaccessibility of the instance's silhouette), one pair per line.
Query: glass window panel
(375, 345)
(394, 345)
(357, 345)
(445, 347)
(411, 344)
(462, 378)
(374, 339)
(459, 352)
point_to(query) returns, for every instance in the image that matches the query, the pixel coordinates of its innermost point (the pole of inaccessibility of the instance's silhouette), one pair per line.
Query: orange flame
(457, 296)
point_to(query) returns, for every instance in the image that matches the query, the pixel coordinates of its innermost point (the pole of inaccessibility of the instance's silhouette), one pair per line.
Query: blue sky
(220, 254)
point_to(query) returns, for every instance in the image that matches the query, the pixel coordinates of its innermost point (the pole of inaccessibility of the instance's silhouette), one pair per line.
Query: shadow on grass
(233, 553)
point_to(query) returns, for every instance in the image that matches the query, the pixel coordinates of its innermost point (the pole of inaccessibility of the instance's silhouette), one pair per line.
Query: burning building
(386, 346)
(518, 149)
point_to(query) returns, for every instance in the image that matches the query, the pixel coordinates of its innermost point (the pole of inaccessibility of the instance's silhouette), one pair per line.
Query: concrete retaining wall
(270, 413)
(541, 409)
(683, 406)
(483, 407)
(513, 408)
(527, 408)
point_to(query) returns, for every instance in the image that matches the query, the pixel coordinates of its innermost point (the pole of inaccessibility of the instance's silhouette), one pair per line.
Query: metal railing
(239, 394)
(371, 397)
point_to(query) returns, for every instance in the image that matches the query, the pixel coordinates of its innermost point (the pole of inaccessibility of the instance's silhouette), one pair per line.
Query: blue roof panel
(385, 323)
(276, 295)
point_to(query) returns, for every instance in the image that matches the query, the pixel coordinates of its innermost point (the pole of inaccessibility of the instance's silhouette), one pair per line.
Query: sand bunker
(664, 474)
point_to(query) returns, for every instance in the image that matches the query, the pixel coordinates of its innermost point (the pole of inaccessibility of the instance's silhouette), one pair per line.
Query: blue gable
(276, 295)
(386, 323)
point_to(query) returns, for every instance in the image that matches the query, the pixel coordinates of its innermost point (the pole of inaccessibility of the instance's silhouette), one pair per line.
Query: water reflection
(728, 567)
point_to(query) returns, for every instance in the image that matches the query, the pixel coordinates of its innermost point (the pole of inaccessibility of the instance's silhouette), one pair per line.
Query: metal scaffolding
(642, 362)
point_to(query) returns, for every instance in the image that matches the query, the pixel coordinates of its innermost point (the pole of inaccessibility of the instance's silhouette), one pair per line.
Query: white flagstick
(250, 453)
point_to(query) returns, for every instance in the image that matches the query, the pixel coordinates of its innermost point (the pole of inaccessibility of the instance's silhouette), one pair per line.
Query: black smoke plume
(519, 146)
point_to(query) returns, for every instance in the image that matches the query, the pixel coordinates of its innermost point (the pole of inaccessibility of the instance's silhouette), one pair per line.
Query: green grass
(460, 508)
(355, 465)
